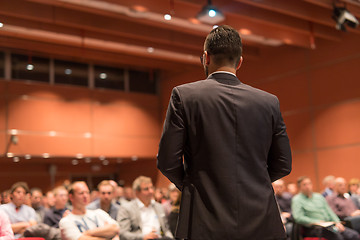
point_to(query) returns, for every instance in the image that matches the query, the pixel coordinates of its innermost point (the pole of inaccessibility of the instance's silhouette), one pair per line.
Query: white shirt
(72, 226)
(223, 72)
(149, 219)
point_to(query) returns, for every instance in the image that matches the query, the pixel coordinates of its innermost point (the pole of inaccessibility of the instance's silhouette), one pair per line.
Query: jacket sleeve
(128, 231)
(279, 157)
(170, 154)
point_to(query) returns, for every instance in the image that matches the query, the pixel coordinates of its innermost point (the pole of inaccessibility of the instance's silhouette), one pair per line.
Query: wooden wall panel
(300, 128)
(338, 125)
(340, 162)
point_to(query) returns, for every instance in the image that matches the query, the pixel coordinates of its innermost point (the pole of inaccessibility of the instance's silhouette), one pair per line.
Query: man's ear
(239, 64)
(207, 58)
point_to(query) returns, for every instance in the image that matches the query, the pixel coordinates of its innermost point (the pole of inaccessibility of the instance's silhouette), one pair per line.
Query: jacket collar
(224, 78)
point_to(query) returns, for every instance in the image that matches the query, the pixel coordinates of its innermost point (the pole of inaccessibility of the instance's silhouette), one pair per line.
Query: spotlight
(342, 16)
(30, 67)
(210, 14)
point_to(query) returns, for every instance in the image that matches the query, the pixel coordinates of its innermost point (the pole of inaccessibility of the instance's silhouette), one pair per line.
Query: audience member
(6, 232)
(53, 215)
(143, 217)
(94, 195)
(119, 196)
(83, 224)
(340, 201)
(129, 194)
(328, 183)
(174, 213)
(5, 197)
(173, 197)
(49, 200)
(311, 209)
(105, 201)
(21, 216)
(36, 196)
(353, 186)
(292, 188)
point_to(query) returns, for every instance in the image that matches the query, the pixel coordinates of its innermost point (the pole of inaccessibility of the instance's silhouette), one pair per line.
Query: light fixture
(27, 156)
(68, 71)
(343, 17)
(150, 49)
(167, 17)
(74, 162)
(210, 14)
(103, 76)
(1, 24)
(30, 67)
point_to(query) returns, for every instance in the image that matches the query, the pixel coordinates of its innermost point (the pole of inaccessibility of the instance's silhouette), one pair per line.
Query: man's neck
(79, 210)
(222, 69)
(105, 206)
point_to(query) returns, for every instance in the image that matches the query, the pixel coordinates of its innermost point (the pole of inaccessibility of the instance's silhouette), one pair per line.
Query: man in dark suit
(222, 145)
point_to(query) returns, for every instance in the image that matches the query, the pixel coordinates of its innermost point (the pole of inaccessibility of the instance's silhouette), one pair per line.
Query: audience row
(72, 212)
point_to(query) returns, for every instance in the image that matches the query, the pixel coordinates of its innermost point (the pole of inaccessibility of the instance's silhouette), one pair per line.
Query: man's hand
(340, 227)
(151, 235)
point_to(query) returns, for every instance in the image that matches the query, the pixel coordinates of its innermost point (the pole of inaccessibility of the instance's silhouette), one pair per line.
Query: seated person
(84, 224)
(143, 217)
(6, 232)
(311, 209)
(53, 215)
(105, 200)
(341, 203)
(21, 216)
(328, 182)
(36, 196)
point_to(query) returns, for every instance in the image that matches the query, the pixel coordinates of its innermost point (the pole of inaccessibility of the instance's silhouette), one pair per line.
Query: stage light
(167, 17)
(343, 17)
(210, 14)
(30, 67)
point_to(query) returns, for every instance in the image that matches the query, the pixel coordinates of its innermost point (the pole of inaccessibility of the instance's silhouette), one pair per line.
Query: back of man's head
(224, 45)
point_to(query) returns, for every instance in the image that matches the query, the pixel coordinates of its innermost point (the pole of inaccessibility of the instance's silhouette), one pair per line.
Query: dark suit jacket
(223, 143)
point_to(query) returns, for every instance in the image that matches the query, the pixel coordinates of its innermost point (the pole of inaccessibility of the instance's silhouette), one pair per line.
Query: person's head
(61, 197)
(5, 197)
(128, 193)
(144, 189)
(173, 193)
(49, 200)
(106, 192)
(79, 195)
(279, 187)
(119, 192)
(158, 195)
(222, 48)
(36, 196)
(329, 182)
(18, 193)
(305, 185)
(340, 185)
(292, 188)
(353, 185)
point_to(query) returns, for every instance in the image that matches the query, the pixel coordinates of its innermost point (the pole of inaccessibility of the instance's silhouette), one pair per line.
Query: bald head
(340, 185)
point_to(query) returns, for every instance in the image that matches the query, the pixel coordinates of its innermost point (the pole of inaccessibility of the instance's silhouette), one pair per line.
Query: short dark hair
(35, 189)
(301, 179)
(224, 44)
(16, 185)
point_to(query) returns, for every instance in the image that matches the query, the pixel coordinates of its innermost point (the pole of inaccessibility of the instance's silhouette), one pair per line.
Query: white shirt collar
(141, 204)
(223, 72)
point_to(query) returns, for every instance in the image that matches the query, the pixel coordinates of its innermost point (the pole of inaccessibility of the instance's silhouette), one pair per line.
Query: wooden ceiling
(135, 33)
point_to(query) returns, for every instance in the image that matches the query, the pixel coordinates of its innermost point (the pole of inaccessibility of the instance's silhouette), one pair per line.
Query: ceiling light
(134, 158)
(46, 155)
(68, 71)
(52, 133)
(167, 17)
(102, 158)
(210, 14)
(30, 67)
(150, 49)
(87, 160)
(342, 16)
(1, 24)
(27, 156)
(245, 31)
(103, 76)
(74, 162)
(16, 159)
(9, 154)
